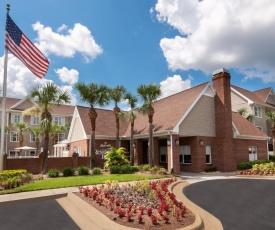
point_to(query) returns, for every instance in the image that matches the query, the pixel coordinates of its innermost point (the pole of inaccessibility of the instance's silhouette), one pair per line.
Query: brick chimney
(226, 156)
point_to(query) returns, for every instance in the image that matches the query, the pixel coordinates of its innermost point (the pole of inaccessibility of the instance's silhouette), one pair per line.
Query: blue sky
(177, 44)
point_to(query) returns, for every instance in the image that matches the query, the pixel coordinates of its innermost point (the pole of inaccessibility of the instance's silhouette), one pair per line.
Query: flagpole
(3, 117)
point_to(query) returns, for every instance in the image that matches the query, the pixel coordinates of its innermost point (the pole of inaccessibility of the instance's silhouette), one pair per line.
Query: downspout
(267, 148)
(171, 154)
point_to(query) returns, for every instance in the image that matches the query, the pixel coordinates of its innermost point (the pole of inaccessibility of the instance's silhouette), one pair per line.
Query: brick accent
(138, 150)
(226, 157)
(156, 151)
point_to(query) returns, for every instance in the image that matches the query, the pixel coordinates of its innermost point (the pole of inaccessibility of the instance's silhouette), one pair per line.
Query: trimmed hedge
(82, 170)
(68, 172)
(249, 164)
(124, 169)
(272, 158)
(53, 173)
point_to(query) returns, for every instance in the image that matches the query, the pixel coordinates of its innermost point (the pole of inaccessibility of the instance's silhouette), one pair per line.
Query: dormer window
(257, 111)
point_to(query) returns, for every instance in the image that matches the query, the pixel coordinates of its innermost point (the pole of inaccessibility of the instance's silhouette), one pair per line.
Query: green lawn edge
(75, 181)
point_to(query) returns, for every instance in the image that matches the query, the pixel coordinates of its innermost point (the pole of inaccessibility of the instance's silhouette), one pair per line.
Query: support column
(173, 164)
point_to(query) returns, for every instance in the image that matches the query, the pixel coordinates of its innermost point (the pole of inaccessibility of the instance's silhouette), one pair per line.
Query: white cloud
(68, 76)
(78, 39)
(20, 80)
(214, 34)
(62, 28)
(175, 84)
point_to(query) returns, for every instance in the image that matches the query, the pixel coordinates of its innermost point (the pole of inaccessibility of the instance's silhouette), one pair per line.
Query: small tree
(115, 157)
(244, 113)
(21, 127)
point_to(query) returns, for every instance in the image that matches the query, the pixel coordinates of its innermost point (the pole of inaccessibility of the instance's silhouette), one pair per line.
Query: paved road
(240, 204)
(35, 214)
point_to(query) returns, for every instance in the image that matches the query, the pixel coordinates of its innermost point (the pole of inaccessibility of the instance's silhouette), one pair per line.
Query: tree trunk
(273, 139)
(92, 115)
(150, 112)
(116, 111)
(45, 152)
(132, 144)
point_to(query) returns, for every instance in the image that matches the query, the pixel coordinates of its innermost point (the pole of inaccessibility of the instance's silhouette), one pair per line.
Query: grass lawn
(62, 182)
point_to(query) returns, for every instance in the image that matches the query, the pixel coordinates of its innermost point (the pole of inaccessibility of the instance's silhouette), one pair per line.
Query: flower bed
(144, 205)
(267, 169)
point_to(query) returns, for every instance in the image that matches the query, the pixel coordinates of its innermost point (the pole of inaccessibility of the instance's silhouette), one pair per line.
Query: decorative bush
(260, 169)
(248, 165)
(68, 172)
(124, 169)
(12, 173)
(145, 167)
(211, 169)
(115, 157)
(162, 171)
(272, 158)
(53, 173)
(96, 170)
(10, 179)
(82, 170)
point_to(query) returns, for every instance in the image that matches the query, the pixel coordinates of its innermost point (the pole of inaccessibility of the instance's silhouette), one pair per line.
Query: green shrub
(211, 169)
(135, 169)
(154, 169)
(53, 173)
(272, 158)
(115, 157)
(162, 171)
(115, 169)
(145, 167)
(82, 170)
(249, 164)
(11, 173)
(68, 172)
(96, 170)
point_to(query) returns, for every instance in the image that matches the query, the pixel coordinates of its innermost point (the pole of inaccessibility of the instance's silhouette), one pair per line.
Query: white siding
(201, 119)
(239, 103)
(78, 131)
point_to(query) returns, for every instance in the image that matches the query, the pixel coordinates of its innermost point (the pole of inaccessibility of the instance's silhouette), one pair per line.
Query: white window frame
(258, 111)
(15, 135)
(208, 152)
(253, 150)
(59, 121)
(35, 120)
(16, 118)
(185, 150)
(32, 137)
(163, 152)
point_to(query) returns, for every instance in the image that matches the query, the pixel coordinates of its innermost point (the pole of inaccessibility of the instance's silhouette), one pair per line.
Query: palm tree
(270, 115)
(243, 112)
(149, 93)
(116, 94)
(21, 127)
(46, 96)
(36, 131)
(132, 101)
(93, 94)
(54, 131)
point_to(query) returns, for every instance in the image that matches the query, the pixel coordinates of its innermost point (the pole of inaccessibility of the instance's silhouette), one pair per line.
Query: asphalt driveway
(245, 204)
(32, 214)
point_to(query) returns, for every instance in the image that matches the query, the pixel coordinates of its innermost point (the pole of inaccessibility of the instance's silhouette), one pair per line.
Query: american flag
(22, 48)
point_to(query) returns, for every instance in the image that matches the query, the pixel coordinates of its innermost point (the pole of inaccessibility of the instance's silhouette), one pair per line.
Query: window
(163, 154)
(59, 121)
(257, 111)
(14, 137)
(61, 137)
(35, 120)
(208, 154)
(16, 118)
(252, 151)
(185, 154)
(32, 137)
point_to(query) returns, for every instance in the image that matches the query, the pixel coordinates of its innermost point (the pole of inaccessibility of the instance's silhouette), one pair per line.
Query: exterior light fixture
(168, 142)
(134, 145)
(177, 142)
(201, 142)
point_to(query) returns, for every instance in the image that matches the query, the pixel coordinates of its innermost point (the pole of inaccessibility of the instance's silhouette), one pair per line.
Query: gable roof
(256, 97)
(60, 110)
(245, 129)
(263, 93)
(105, 122)
(168, 111)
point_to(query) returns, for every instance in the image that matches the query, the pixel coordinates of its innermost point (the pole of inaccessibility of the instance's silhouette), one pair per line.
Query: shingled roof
(245, 127)
(258, 97)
